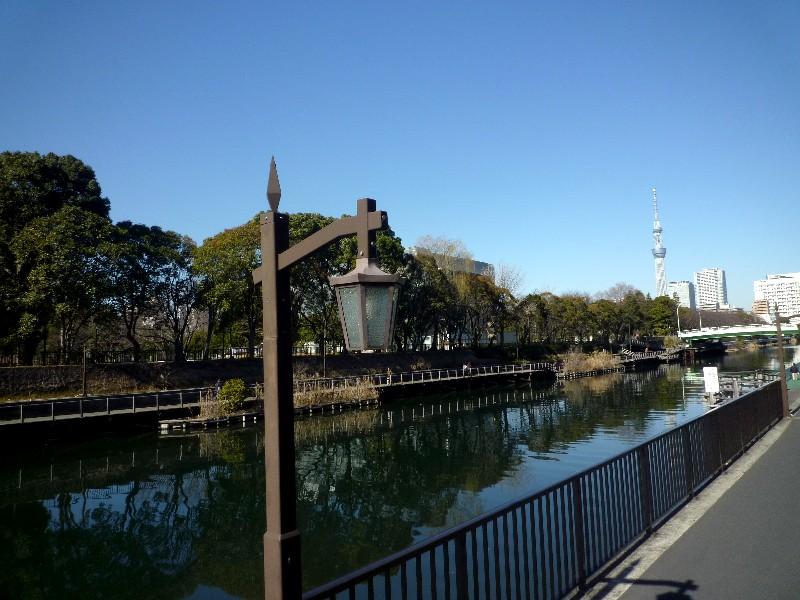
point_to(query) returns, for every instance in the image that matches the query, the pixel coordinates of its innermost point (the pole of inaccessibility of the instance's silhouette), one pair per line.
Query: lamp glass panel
(351, 310)
(377, 315)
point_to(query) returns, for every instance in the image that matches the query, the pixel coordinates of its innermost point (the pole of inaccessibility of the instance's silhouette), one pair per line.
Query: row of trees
(70, 276)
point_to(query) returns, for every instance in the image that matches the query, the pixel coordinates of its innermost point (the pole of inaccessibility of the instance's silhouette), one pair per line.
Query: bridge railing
(551, 543)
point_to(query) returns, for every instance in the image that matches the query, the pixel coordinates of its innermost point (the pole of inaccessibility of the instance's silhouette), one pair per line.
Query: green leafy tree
(66, 273)
(225, 263)
(605, 315)
(34, 186)
(139, 260)
(177, 299)
(662, 316)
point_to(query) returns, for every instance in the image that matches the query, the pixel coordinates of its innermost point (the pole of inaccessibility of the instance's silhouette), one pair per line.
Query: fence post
(133, 402)
(180, 395)
(108, 410)
(81, 405)
(462, 589)
(21, 418)
(645, 489)
(157, 407)
(580, 543)
(688, 462)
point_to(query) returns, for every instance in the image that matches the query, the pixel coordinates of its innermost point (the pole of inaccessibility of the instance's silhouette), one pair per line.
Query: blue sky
(531, 131)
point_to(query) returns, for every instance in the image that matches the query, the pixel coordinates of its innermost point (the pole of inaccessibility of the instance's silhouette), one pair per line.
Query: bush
(231, 396)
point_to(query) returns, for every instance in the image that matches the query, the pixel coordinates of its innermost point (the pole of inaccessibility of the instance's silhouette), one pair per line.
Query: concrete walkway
(745, 542)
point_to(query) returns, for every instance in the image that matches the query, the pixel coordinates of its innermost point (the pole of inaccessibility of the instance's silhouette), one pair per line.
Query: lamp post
(781, 364)
(368, 301)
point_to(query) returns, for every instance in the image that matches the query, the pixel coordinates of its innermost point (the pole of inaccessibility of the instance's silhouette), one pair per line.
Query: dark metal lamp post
(368, 301)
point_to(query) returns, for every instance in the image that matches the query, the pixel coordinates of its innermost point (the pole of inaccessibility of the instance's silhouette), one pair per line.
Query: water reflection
(180, 516)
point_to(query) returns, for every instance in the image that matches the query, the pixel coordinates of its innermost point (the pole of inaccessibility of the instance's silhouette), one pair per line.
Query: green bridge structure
(737, 331)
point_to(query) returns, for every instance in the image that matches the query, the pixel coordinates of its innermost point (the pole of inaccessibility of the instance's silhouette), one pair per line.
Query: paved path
(747, 544)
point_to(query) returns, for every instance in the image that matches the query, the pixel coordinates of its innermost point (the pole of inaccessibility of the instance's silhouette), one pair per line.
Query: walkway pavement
(746, 544)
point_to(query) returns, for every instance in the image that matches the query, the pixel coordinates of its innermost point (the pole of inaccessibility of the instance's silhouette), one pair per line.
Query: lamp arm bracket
(340, 228)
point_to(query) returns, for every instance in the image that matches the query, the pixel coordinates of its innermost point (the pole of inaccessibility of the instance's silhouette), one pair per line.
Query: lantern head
(367, 299)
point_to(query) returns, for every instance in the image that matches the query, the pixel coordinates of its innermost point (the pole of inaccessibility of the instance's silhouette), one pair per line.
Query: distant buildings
(782, 289)
(763, 310)
(683, 292)
(711, 289)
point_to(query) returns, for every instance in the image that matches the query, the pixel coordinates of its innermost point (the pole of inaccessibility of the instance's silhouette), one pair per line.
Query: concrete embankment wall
(48, 381)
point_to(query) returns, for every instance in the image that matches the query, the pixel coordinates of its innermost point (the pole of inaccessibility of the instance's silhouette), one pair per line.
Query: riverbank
(45, 382)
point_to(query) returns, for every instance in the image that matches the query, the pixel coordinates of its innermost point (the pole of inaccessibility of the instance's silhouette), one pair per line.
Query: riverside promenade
(739, 538)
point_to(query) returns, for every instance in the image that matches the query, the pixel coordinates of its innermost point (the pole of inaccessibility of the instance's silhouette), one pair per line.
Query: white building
(711, 290)
(683, 292)
(782, 289)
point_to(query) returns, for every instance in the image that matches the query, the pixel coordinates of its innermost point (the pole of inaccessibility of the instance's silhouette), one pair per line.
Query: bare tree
(617, 292)
(451, 255)
(509, 278)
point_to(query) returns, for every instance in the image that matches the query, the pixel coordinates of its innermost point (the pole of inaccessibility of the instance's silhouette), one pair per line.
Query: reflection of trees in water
(164, 514)
(172, 525)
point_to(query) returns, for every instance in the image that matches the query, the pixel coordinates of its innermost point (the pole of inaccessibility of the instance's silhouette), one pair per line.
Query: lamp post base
(282, 566)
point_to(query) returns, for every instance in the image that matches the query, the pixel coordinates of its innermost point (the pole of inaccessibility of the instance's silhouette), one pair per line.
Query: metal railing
(423, 376)
(553, 542)
(59, 409)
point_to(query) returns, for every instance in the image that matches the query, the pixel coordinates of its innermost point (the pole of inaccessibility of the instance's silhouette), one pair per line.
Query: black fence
(552, 543)
(58, 409)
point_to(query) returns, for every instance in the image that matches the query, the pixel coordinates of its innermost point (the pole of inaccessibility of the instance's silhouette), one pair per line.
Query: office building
(711, 290)
(782, 289)
(683, 292)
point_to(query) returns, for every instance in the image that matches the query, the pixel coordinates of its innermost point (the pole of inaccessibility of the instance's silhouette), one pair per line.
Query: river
(182, 516)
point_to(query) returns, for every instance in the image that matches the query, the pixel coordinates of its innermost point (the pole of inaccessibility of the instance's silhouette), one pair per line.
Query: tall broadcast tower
(659, 251)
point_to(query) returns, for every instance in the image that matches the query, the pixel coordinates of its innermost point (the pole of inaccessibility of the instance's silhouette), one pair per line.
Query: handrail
(575, 526)
(384, 379)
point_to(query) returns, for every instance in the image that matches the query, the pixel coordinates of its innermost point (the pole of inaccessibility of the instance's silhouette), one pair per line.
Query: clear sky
(532, 131)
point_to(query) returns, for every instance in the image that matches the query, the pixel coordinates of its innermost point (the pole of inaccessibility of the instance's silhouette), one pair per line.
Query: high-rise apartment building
(683, 292)
(782, 289)
(710, 289)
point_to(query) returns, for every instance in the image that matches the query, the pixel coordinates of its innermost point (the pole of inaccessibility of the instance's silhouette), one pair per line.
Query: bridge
(737, 331)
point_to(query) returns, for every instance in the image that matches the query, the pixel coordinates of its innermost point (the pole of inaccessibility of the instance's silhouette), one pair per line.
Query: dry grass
(209, 407)
(360, 391)
(577, 362)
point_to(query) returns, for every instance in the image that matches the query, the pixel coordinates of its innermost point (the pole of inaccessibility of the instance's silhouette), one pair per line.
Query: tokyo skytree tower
(659, 251)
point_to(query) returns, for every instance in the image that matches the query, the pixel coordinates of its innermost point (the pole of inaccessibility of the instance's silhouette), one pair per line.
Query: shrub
(231, 396)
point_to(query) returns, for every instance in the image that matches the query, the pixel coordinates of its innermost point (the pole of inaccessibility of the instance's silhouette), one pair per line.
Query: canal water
(182, 515)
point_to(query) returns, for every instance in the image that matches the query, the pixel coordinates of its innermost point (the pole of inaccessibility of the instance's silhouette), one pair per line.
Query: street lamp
(368, 300)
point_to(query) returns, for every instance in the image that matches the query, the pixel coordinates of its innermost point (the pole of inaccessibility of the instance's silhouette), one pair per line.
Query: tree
(139, 259)
(423, 302)
(662, 316)
(451, 255)
(176, 299)
(313, 301)
(617, 292)
(226, 262)
(531, 318)
(33, 186)
(66, 275)
(605, 316)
